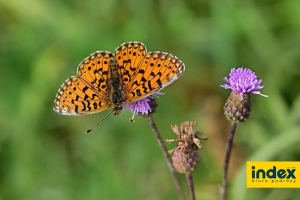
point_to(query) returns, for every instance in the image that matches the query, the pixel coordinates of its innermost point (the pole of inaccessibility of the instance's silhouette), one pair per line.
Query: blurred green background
(46, 156)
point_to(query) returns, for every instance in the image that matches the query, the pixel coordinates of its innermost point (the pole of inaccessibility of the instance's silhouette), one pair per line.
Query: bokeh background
(45, 156)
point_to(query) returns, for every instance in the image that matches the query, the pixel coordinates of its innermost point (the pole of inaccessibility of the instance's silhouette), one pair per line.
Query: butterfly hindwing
(77, 97)
(94, 70)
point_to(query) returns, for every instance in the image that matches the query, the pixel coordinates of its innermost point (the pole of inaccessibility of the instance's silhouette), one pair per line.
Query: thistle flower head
(243, 81)
(186, 155)
(144, 106)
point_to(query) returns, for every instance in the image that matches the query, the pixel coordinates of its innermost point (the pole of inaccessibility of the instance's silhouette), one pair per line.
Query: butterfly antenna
(132, 120)
(99, 122)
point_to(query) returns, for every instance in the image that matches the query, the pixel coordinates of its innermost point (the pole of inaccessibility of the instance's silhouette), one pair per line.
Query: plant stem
(189, 180)
(166, 154)
(227, 158)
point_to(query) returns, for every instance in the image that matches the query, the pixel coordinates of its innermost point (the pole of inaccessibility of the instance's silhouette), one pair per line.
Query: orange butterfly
(105, 80)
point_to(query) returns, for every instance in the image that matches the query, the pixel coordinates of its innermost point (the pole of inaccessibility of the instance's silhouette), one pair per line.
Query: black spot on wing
(149, 86)
(84, 106)
(94, 81)
(95, 105)
(138, 92)
(134, 83)
(85, 88)
(88, 106)
(159, 83)
(93, 96)
(126, 72)
(105, 73)
(145, 89)
(141, 71)
(143, 79)
(76, 109)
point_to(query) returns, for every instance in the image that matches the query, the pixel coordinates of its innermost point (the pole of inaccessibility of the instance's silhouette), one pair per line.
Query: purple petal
(141, 106)
(243, 81)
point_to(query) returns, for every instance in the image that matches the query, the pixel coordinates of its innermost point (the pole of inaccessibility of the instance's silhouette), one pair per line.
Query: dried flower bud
(186, 155)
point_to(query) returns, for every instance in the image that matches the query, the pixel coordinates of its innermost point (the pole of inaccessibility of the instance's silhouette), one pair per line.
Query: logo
(273, 174)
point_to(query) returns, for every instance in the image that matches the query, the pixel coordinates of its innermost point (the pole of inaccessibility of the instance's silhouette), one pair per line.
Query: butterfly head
(117, 109)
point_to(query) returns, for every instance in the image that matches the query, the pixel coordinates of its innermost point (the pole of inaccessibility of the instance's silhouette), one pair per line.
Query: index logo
(273, 174)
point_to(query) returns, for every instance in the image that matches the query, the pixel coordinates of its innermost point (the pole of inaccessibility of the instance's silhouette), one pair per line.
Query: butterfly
(106, 80)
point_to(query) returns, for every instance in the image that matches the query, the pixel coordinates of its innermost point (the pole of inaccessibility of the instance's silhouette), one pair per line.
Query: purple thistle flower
(243, 81)
(141, 106)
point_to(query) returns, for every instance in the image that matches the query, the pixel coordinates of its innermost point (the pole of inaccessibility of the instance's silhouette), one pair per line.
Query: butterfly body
(106, 81)
(115, 85)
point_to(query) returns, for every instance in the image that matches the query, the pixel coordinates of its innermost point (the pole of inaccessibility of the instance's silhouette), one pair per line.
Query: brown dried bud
(186, 155)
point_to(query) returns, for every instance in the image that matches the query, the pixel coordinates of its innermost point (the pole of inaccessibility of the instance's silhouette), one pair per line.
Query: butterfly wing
(128, 57)
(77, 97)
(94, 70)
(155, 71)
(86, 93)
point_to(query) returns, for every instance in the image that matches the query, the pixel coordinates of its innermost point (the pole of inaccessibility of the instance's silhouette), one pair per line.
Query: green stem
(190, 182)
(227, 158)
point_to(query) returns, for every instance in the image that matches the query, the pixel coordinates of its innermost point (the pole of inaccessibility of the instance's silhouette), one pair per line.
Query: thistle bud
(237, 109)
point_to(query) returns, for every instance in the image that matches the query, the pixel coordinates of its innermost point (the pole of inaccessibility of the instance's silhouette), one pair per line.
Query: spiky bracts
(237, 108)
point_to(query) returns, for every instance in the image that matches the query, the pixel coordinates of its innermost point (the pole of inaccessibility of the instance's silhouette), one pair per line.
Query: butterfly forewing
(128, 57)
(156, 71)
